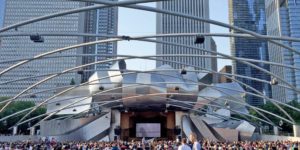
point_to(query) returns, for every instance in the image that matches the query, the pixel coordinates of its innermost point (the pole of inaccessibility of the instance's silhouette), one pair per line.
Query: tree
(272, 108)
(15, 107)
(72, 82)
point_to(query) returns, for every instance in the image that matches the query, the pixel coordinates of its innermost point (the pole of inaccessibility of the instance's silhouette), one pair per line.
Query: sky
(136, 22)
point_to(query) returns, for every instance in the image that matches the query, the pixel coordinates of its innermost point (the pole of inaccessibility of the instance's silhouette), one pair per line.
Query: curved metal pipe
(289, 117)
(214, 114)
(122, 58)
(281, 38)
(164, 55)
(145, 8)
(218, 73)
(169, 93)
(180, 94)
(225, 74)
(48, 53)
(148, 40)
(68, 90)
(111, 40)
(112, 4)
(77, 105)
(271, 123)
(73, 11)
(263, 95)
(27, 109)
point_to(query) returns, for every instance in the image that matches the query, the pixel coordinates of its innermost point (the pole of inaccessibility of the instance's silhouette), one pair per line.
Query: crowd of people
(184, 144)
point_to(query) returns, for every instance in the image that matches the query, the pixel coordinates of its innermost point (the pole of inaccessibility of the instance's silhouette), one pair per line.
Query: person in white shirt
(196, 144)
(183, 145)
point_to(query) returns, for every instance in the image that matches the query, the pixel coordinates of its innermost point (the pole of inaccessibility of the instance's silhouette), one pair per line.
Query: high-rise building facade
(22, 47)
(225, 70)
(174, 24)
(102, 22)
(283, 19)
(214, 60)
(2, 4)
(250, 14)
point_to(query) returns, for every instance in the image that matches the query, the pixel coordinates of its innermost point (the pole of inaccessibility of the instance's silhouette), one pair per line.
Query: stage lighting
(33, 96)
(183, 71)
(280, 123)
(124, 37)
(274, 81)
(122, 65)
(199, 39)
(101, 88)
(37, 38)
(226, 103)
(80, 72)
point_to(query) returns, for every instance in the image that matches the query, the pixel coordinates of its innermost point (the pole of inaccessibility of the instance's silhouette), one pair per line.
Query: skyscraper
(173, 24)
(250, 14)
(214, 60)
(102, 22)
(20, 47)
(2, 4)
(283, 17)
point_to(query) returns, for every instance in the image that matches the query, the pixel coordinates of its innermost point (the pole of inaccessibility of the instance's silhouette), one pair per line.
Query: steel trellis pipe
(69, 106)
(166, 55)
(156, 10)
(75, 87)
(141, 38)
(181, 15)
(220, 91)
(214, 114)
(160, 35)
(281, 38)
(89, 84)
(111, 40)
(73, 11)
(230, 78)
(199, 19)
(112, 60)
(225, 74)
(281, 109)
(113, 4)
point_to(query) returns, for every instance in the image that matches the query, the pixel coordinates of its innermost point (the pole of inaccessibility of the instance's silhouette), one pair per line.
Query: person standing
(183, 145)
(196, 144)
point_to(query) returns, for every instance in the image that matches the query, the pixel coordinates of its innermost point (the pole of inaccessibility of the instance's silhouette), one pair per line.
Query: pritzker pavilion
(165, 102)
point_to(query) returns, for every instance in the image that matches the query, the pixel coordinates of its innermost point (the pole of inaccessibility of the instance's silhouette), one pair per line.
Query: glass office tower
(283, 19)
(173, 24)
(250, 14)
(22, 47)
(102, 22)
(2, 4)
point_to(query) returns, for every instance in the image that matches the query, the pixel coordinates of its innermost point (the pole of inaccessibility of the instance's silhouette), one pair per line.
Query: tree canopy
(272, 108)
(15, 107)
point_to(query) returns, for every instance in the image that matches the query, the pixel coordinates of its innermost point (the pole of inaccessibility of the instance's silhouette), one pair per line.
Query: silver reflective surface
(151, 90)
